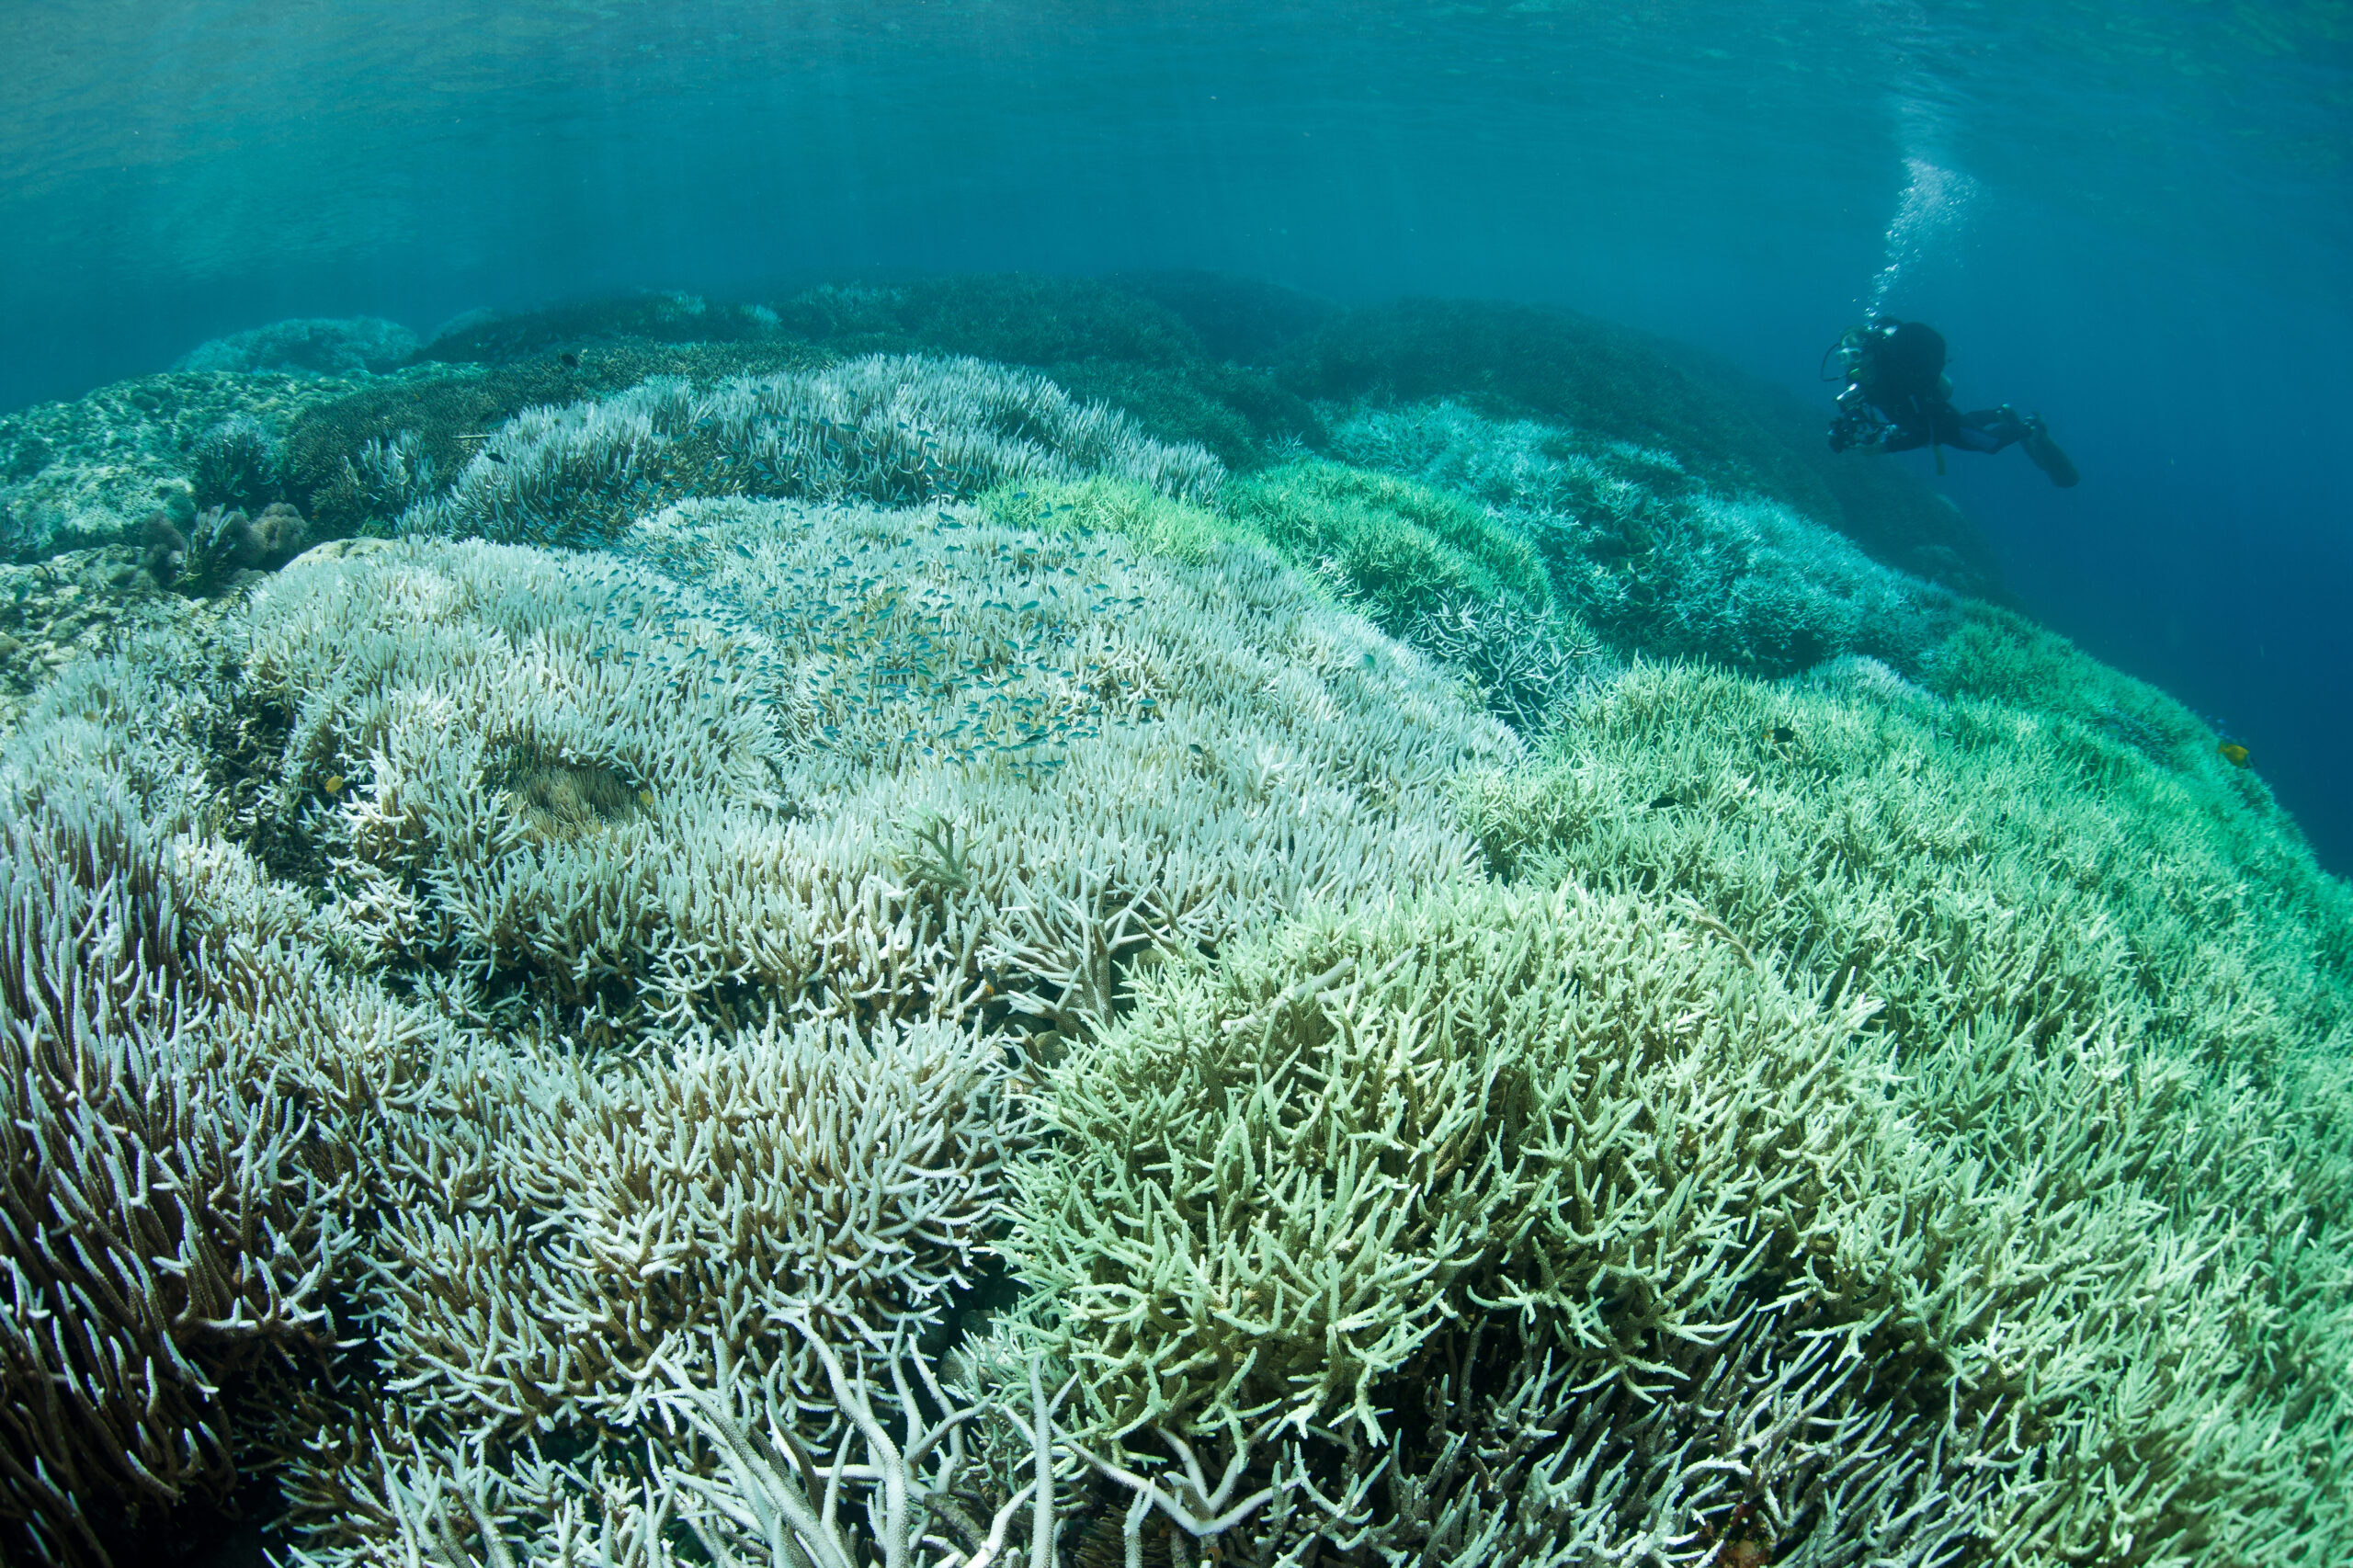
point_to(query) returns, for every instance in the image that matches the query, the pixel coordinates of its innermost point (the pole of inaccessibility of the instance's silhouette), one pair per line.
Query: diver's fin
(2047, 456)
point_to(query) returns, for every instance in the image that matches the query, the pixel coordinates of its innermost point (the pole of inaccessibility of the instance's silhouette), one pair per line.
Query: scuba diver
(1898, 397)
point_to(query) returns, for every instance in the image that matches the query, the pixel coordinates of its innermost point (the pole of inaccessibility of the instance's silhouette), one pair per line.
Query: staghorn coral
(1150, 521)
(390, 474)
(882, 429)
(1395, 546)
(1654, 561)
(1528, 664)
(238, 463)
(1297, 1182)
(2114, 996)
(572, 888)
(687, 1211)
(676, 949)
(945, 672)
(170, 1216)
(1394, 1110)
(1302, 1182)
(1524, 659)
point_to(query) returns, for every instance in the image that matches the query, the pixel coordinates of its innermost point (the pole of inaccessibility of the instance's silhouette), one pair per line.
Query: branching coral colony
(853, 1025)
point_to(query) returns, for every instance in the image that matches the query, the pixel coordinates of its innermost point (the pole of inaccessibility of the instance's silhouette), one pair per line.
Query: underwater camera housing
(1857, 423)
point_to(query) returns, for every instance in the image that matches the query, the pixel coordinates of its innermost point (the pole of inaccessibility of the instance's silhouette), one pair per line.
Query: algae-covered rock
(345, 345)
(112, 458)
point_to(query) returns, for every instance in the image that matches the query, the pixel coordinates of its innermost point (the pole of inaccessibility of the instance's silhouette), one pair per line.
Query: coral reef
(339, 347)
(2042, 917)
(841, 954)
(1527, 663)
(235, 464)
(110, 460)
(1246, 321)
(722, 920)
(881, 428)
(1396, 547)
(222, 542)
(493, 338)
(1384, 1150)
(354, 464)
(170, 1212)
(1615, 385)
(68, 607)
(1109, 342)
(1650, 558)
(1442, 577)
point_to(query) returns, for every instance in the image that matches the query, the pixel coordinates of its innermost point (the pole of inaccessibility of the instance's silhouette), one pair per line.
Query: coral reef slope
(806, 935)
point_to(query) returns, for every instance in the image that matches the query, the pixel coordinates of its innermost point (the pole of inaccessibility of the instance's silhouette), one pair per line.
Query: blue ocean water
(2136, 221)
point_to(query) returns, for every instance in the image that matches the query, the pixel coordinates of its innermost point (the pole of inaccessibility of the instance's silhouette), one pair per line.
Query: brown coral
(162, 1230)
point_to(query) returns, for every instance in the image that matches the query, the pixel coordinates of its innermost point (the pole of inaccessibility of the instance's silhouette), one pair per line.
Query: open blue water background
(2136, 218)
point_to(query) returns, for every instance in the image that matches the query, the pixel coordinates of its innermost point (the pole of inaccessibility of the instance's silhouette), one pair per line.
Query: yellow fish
(2234, 753)
(332, 783)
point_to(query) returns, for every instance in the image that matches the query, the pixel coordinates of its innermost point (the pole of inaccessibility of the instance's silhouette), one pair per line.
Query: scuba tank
(1884, 355)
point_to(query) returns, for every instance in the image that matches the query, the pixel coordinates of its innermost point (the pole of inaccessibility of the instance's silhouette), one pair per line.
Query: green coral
(1401, 549)
(1288, 1171)
(1650, 557)
(1598, 1137)
(2105, 981)
(1823, 1013)
(2150, 756)
(1154, 523)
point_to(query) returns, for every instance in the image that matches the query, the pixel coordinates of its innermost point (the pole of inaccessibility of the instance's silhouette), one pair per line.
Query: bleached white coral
(658, 934)
(889, 429)
(390, 473)
(1126, 753)
(683, 1208)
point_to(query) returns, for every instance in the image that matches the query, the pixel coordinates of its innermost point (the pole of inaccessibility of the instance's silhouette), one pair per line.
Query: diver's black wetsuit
(1900, 371)
(1919, 421)
(1899, 400)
